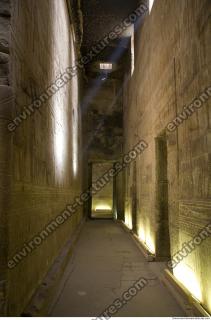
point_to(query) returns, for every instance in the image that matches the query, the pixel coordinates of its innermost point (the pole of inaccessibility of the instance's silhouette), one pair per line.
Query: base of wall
(147, 254)
(189, 304)
(47, 293)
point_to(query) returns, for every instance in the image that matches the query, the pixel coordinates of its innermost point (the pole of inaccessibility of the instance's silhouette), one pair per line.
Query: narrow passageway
(106, 263)
(105, 117)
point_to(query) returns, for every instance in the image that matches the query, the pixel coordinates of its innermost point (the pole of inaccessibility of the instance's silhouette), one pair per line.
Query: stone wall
(103, 119)
(46, 147)
(6, 105)
(172, 69)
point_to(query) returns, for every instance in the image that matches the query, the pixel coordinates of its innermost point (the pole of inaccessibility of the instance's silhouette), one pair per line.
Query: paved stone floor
(106, 262)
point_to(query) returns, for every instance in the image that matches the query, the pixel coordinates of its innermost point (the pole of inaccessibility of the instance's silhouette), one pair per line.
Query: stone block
(4, 58)
(4, 45)
(4, 34)
(209, 141)
(5, 9)
(6, 102)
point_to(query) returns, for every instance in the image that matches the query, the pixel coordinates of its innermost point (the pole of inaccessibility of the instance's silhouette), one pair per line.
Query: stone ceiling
(103, 122)
(99, 18)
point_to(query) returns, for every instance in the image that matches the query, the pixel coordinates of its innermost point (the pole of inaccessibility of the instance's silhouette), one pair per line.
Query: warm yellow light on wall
(103, 207)
(150, 243)
(142, 235)
(75, 116)
(146, 239)
(115, 215)
(209, 302)
(128, 221)
(60, 141)
(132, 51)
(59, 99)
(189, 279)
(151, 2)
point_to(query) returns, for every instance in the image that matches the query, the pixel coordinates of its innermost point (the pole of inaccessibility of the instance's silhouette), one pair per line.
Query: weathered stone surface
(103, 123)
(6, 109)
(40, 163)
(5, 9)
(2, 296)
(173, 68)
(4, 68)
(4, 58)
(4, 34)
(6, 102)
(4, 45)
(45, 174)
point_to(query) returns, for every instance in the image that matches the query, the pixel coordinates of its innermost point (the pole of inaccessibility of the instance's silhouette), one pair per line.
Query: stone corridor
(105, 158)
(106, 262)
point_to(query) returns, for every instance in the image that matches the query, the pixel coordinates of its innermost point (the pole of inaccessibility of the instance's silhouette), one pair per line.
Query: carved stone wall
(6, 108)
(172, 69)
(40, 160)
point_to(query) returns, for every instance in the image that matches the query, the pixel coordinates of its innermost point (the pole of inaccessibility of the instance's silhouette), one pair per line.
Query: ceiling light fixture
(106, 66)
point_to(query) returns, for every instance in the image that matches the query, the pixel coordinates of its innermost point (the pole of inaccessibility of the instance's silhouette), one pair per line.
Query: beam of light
(120, 50)
(132, 52)
(101, 123)
(117, 54)
(151, 2)
(188, 278)
(59, 100)
(97, 84)
(75, 116)
(60, 138)
(128, 32)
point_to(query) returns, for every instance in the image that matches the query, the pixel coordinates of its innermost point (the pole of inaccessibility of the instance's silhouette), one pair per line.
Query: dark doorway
(162, 236)
(134, 198)
(88, 206)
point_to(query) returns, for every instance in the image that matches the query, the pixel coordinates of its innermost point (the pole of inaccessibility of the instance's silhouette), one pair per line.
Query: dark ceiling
(101, 16)
(99, 19)
(102, 102)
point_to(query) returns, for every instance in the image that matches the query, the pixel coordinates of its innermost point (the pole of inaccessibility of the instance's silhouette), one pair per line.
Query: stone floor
(106, 262)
